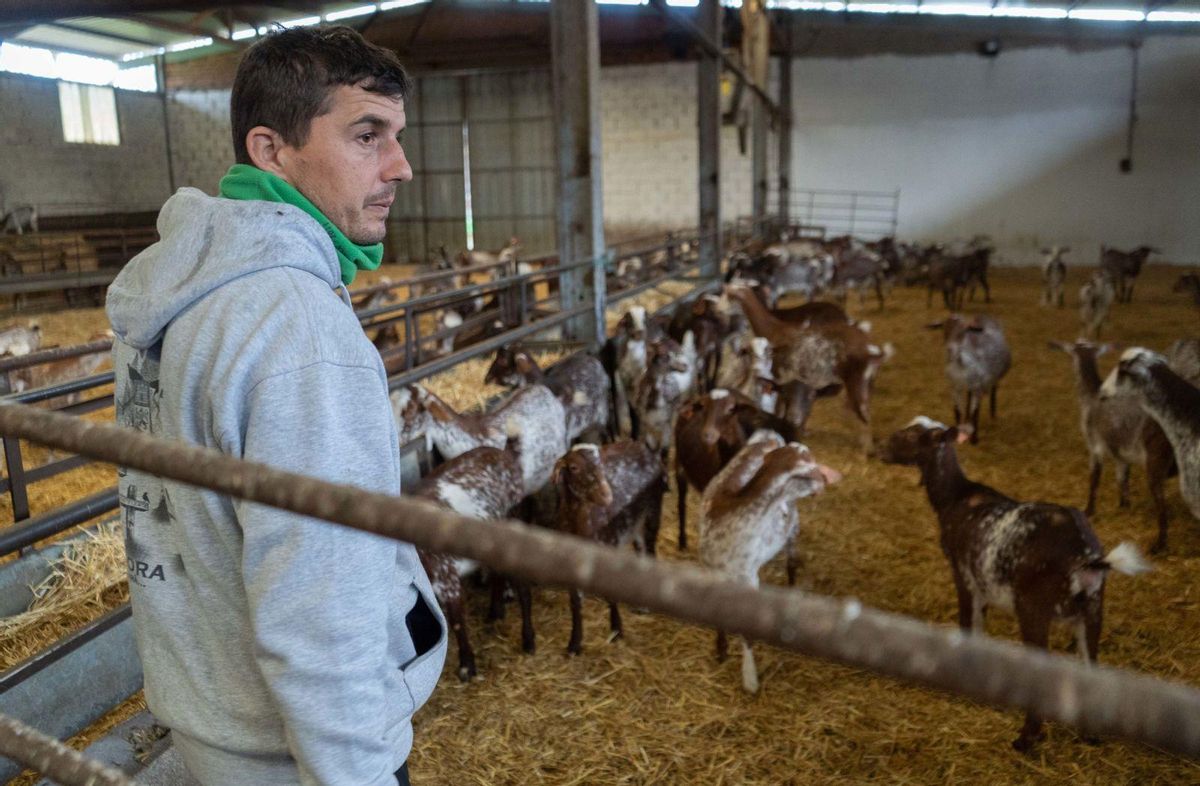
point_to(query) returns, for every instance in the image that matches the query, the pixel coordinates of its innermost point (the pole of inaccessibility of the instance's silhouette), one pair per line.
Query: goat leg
(722, 646)
(1158, 466)
(1122, 484)
(614, 621)
(466, 656)
(497, 584)
(1093, 485)
(793, 561)
(1034, 621)
(575, 644)
(681, 487)
(525, 599)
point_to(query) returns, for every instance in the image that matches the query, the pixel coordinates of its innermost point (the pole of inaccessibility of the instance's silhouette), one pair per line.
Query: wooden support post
(709, 74)
(575, 57)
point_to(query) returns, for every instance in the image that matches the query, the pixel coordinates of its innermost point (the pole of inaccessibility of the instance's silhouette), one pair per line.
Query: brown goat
(1038, 560)
(612, 495)
(709, 431)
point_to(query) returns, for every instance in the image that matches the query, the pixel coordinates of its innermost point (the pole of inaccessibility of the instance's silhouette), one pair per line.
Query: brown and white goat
(613, 495)
(1123, 267)
(532, 412)
(1172, 402)
(669, 379)
(977, 358)
(1038, 560)
(825, 357)
(750, 515)
(1116, 428)
(1095, 300)
(17, 340)
(58, 371)
(579, 382)
(1054, 275)
(709, 431)
(483, 483)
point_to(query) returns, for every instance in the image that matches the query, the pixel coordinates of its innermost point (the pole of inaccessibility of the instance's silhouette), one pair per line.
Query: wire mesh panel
(865, 214)
(509, 122)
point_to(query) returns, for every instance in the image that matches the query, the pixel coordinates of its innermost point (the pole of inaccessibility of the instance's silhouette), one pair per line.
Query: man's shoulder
(286, 318)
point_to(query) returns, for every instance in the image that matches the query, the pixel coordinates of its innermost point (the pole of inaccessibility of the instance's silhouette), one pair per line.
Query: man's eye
(367, 138)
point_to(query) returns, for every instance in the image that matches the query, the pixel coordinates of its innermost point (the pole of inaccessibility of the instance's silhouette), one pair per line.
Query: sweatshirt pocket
(428, 633)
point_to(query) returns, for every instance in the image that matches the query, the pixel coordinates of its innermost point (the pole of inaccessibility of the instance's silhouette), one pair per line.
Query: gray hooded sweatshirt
(280, 649)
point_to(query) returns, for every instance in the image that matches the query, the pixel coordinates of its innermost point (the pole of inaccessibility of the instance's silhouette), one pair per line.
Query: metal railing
(832, 212)
(43, 261)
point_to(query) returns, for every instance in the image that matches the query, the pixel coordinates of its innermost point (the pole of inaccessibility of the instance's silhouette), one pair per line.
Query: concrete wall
(201, 145)
(1024, 146)
(37, 167)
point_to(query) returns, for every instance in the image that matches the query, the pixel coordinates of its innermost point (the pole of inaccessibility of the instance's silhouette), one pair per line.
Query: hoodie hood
(206, 243)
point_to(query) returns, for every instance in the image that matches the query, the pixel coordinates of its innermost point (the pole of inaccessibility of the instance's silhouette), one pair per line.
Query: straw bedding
(657, 708)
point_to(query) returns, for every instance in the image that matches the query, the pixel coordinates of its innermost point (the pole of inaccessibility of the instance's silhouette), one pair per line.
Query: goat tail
(1125, 558)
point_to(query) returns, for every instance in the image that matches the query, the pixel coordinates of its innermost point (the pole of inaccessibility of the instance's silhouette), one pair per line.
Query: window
(89, 114)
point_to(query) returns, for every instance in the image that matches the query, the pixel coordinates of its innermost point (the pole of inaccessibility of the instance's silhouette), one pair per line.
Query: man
(279, 649)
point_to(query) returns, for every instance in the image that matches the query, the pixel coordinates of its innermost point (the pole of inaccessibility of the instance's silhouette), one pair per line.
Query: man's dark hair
(285, 80)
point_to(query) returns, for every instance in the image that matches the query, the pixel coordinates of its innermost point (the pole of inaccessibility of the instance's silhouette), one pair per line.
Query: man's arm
(318, 593)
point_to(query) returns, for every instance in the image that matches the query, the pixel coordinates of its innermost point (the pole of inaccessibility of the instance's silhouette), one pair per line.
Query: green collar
(246, 182)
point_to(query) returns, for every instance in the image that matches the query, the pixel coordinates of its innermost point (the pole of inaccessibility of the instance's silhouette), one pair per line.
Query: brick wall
(200, 137)
(62, 178)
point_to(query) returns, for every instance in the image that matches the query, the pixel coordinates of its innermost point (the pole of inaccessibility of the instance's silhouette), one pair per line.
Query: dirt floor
(657, 708)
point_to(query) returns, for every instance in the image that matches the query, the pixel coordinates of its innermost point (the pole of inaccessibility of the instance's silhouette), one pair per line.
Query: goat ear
(524, 363)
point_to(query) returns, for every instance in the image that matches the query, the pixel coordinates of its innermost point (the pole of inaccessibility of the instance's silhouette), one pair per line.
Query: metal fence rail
(831, 212)
(1096, 699)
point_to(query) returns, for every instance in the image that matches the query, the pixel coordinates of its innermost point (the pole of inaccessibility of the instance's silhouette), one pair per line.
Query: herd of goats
(726, 382)
(720, 391)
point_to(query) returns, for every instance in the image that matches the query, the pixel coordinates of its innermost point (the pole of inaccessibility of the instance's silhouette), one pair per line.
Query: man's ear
(267, 150)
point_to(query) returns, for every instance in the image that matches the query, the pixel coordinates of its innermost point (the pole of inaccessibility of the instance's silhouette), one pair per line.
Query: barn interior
(576, 163)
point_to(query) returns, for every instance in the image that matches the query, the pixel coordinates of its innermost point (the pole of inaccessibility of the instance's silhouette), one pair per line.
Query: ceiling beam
(77, 28)
(177, 27)
(13, 11)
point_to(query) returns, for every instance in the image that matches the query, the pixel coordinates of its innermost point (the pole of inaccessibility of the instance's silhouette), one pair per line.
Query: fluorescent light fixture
(304, 21)
(195, 43)
(880, 8)
(803, 5)
(684, 3)
(1173, 16)
(1030, 12)
(403, 4)
(346, 13)
(622, 2)
(835, 7)
(129, 56)
(241, 35)
(1106, 14)
(956, 9)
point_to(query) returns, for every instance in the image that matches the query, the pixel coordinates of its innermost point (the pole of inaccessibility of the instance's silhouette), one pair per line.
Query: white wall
(1024, 146)
(37, 167)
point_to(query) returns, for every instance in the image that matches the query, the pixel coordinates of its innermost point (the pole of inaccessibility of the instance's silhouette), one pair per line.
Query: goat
(613, 495)
(484, 483)
(977, 358)
(1172, 402)
(533, 412)
(1095, 300)
(1183, 356)
(18, 340)
(858, 267)
(473, 258)
(669, 379)
(818, 312)
(825, 357)
(709, 430)
(579, 383)
(1189, 283)
(749, 515)
(1054, 275)
(628, 354)
(58, 371)
(952, 274)
(1123, 267)
(1039, 560)
(1116, 428)
(19, 219)
(709, 327)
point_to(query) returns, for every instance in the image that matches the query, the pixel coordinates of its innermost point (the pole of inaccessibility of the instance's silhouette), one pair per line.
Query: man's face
(352, 161)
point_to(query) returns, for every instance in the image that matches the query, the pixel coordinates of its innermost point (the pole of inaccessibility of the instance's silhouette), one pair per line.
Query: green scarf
(246, 182)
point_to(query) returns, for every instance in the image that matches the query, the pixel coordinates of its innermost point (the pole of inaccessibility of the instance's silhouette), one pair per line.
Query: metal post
(575, 56)
(785, 133)
(16, 479)
(709, 75)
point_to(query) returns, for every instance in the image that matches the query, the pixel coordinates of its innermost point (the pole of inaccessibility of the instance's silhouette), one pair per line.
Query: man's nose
(398, 167)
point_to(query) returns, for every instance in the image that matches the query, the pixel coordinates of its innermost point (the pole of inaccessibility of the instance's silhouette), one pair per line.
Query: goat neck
(942, 476)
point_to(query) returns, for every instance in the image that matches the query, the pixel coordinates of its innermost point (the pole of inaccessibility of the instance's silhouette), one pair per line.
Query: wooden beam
(709, 106)
(575, 70)
(177, 27)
